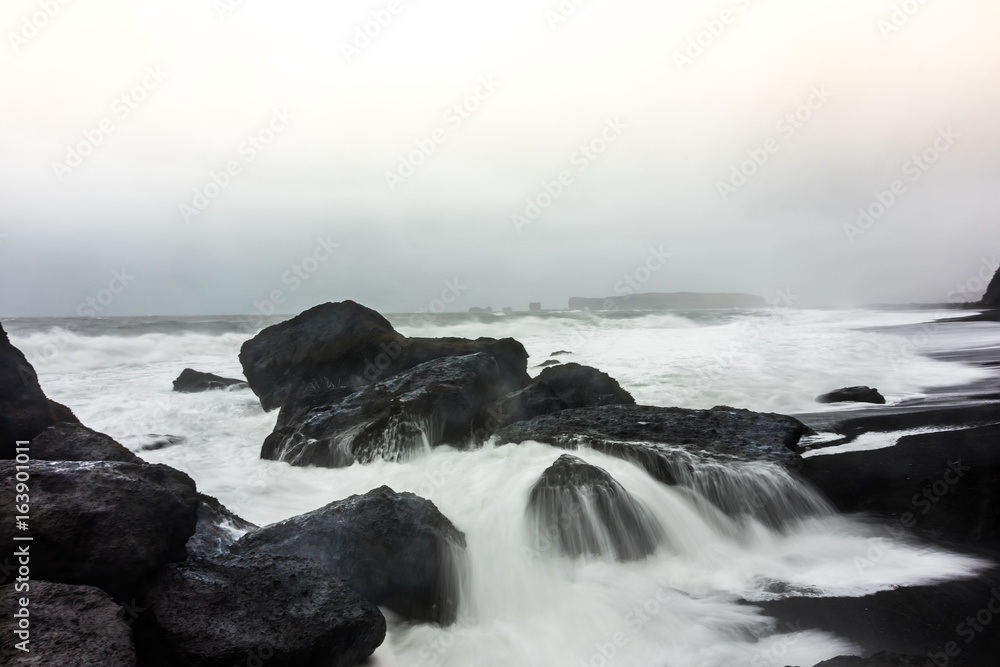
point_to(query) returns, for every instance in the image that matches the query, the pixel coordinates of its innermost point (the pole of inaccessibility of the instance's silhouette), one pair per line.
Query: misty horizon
(196, 159)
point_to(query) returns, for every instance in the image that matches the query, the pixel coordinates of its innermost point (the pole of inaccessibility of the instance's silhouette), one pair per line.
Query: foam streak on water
(729, 532)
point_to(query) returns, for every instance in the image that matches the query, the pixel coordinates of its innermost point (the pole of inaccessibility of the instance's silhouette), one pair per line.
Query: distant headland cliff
(673, 300)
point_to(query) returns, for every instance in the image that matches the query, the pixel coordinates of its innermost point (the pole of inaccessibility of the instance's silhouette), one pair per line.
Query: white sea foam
(677, 608)
(875, 440)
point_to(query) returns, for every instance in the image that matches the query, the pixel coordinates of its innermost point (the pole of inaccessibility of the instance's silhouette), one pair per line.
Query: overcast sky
(352, 174)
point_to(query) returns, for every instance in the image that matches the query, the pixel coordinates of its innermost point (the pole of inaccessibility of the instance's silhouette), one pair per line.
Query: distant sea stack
(674, 300)
(992, 297)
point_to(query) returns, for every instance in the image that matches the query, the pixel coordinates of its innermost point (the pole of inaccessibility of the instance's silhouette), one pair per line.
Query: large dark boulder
(217, 528)
(347, 345)
(70, 626)
(583, 386)
(75, 442)
(255, 610)
(395, 549)
(107, 524)
(441, 401)
(853, 395)
(558, 388)
(192, 381)
(578, 509)
(621, 430)
(25, 411)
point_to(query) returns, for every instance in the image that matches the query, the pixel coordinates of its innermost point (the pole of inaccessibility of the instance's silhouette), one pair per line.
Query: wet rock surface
(106, 524)
(347, 345)
(75, 442)
(853, 395)
(70, 626)
(444, 401)
(629, 431)
(25, 410)
(192, 381)
(394, 549)
(217, 528)
(238, 610)
(583, 386)
(580, 510)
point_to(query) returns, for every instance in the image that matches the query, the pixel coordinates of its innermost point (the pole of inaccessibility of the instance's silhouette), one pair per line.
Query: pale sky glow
(656, 184)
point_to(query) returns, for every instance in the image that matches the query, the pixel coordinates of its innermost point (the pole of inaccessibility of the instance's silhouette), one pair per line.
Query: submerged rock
(71, 626)
(395, 549)
(75, 442)
(217, 528)
(580, 510)
(25, 410)
(152, 442)
(107, 524)
(853, 395)
(441, 401)
(347, 345)
(191, 381)
(255, 609)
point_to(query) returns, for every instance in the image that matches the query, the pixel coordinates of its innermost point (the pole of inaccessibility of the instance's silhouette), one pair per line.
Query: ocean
(690, 604)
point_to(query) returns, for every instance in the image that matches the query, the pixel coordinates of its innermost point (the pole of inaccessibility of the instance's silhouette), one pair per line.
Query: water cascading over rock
(439, 401)
(578, 509)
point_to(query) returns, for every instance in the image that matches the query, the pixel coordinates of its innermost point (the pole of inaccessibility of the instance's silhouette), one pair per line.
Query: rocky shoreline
(182, 581)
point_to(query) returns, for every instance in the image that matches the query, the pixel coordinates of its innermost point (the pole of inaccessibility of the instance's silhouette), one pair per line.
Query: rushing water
(729, 533)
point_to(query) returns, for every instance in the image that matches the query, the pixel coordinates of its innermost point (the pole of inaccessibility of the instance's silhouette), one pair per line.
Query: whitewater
(689, 604)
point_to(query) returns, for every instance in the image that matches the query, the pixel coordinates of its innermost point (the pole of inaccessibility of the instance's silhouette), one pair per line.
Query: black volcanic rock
(580, 510)
(347, 345)
(632, 431)
(919, 620)
(853, 394)
(107, 524)
(583, 386)
(395, 549)
(71, 626)
(440, 401)
(191, 381)
(255, 610)
(75, 442)
(558, 388)
(536, 399)
(25, 411)
(217, 528)
(945, 483)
